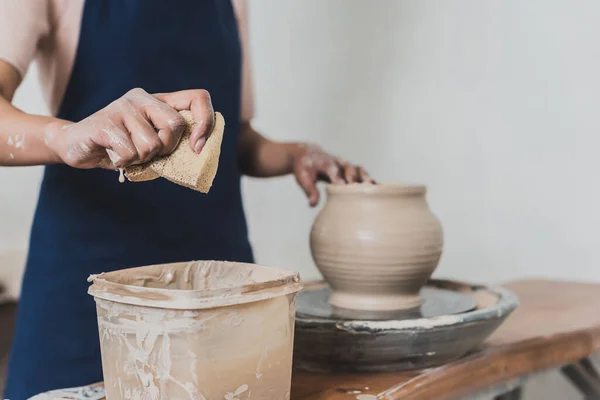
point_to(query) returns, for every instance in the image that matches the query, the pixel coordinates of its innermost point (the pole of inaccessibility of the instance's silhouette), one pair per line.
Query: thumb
(308, 183)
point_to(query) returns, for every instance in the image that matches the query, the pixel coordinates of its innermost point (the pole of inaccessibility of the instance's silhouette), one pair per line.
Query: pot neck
(369, 190)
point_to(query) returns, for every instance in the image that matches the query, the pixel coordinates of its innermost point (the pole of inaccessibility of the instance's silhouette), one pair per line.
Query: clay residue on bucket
(194, 285)
(198, 331)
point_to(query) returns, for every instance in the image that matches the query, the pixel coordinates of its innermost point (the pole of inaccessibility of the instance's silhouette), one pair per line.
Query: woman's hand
(312, 164)
(264, 158)
(131, 130)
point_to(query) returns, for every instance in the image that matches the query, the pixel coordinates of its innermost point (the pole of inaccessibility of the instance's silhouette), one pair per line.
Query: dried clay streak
(238, 347)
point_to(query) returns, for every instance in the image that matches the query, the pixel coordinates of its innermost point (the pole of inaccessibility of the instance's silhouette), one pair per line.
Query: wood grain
(556, 323)
(8, 313)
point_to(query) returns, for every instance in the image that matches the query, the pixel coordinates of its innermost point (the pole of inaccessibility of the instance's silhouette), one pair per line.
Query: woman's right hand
(131, 130)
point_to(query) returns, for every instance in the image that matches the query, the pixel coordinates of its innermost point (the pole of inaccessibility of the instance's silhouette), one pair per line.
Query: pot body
(376, 245)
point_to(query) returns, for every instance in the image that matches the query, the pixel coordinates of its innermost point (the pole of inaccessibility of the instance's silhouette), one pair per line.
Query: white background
(492, 104)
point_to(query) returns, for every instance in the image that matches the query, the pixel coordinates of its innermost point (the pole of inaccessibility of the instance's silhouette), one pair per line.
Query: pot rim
(368, 188)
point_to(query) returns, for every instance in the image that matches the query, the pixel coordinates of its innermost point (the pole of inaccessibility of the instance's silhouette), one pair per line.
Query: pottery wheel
(454, 318)
(436, 302)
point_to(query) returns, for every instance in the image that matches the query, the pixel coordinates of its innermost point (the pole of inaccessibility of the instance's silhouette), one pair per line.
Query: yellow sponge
(184, 166)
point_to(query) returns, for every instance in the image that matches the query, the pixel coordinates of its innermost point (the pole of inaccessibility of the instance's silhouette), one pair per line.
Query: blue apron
(86, 222)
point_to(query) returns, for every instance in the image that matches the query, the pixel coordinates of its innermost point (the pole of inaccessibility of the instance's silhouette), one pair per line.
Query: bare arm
(258, 156)
(21, 134)
(132, 129)
(262, 157)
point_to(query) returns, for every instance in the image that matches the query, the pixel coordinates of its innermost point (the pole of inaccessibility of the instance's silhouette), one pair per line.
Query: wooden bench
(557, 325)
(8, 311)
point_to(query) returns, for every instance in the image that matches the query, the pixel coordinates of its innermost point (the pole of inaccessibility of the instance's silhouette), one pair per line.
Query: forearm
(22, 137)
(263, 158)
(21, 134)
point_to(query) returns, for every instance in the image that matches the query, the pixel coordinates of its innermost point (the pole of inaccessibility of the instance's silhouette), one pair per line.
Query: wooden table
(8, 312)
(557, 325)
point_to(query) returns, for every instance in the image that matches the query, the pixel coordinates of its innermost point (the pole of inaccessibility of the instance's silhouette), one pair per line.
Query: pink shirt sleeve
(23, 23)
(241, 9)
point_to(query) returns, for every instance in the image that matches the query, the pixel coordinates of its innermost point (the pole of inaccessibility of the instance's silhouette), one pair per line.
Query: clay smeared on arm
(21, 135)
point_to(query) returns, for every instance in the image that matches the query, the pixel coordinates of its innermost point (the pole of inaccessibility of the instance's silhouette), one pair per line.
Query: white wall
(492, 104)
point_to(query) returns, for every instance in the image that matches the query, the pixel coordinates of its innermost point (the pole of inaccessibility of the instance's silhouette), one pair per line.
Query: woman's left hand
(312, 164)
(263, 158)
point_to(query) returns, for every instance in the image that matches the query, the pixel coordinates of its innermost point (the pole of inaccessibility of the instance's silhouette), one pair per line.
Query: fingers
(200, 104)
(350, 173)
(307, 180)
(312, 164)
(340, 173)
(168, 126)
(204, 116)
(118, 144)
(333, 172)
(144, 137)
(364, 176)
(354, 174)
(141, 111)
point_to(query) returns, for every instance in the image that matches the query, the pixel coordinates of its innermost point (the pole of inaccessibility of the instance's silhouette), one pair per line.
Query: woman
(92, 56)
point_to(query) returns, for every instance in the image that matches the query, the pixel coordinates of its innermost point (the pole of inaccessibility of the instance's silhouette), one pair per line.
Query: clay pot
(376, 245)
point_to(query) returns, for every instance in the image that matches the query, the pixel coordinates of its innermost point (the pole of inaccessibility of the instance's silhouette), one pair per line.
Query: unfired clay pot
(376, 245)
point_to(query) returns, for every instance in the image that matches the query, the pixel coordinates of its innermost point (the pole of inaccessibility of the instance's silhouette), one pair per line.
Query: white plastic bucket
(201, 330)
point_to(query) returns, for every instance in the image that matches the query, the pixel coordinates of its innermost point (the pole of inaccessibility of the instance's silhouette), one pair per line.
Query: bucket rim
(284, 282)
